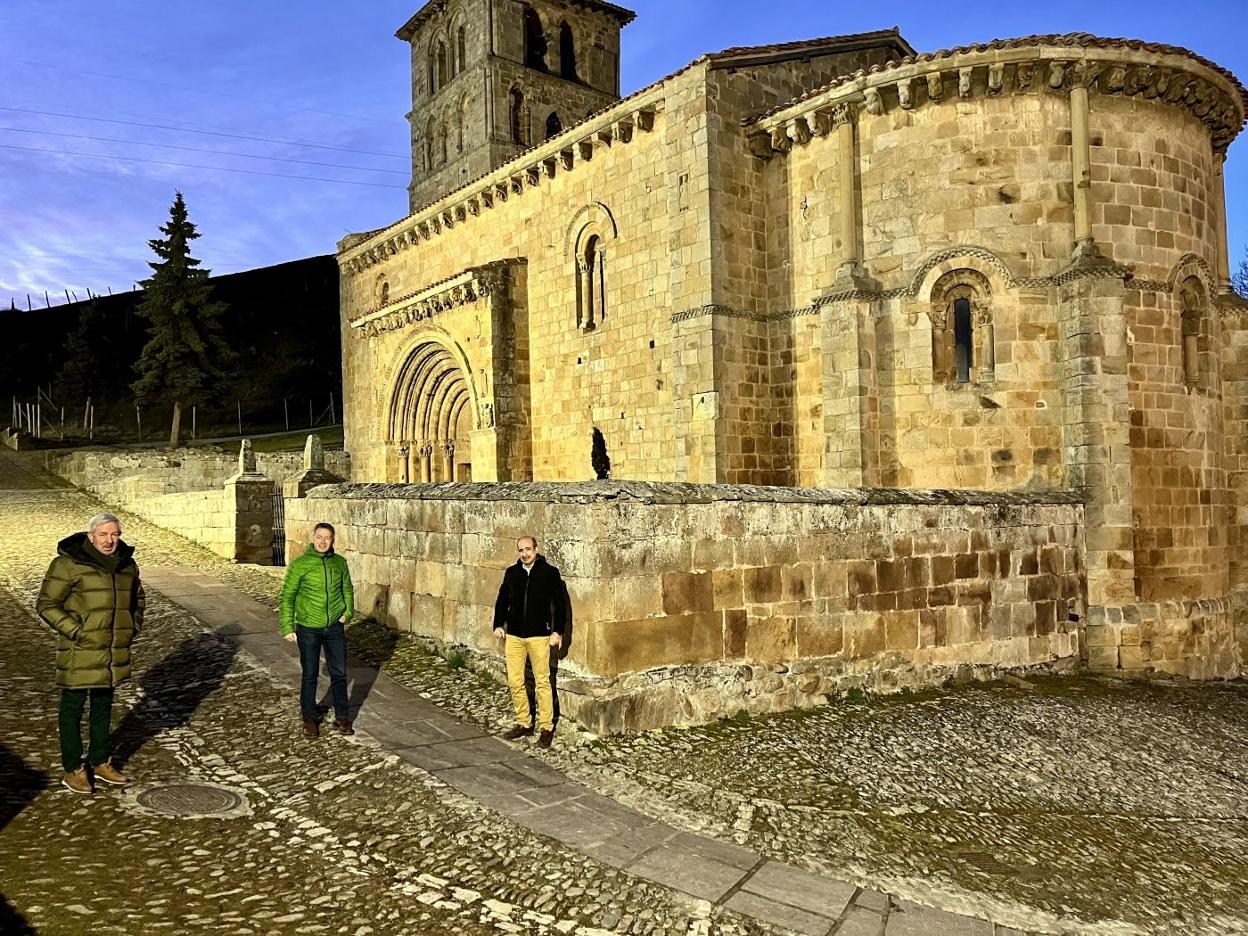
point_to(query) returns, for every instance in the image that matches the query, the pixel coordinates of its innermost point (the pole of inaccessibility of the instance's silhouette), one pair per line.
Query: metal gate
(279, 528)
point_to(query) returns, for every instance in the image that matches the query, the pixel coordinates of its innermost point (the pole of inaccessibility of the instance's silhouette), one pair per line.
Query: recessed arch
(431, 410)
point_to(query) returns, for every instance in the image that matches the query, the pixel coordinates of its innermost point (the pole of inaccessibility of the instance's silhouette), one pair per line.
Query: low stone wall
(127, 477)
(205, 496)
(692, 602)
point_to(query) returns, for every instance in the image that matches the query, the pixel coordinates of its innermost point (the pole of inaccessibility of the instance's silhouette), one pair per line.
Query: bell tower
(492, 78)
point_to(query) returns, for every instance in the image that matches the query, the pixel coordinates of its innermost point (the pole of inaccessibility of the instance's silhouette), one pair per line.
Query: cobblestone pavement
(1080, 806)
(343, 837)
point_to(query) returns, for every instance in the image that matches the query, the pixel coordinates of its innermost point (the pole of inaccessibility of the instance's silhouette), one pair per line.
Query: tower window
(567, 52)
(443, 65)
(462, 47)
(519, 132)
(534, 40)
(554, 126)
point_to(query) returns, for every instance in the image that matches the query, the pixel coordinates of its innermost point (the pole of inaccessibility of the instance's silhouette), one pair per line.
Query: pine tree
(186, 358)
(89, 368)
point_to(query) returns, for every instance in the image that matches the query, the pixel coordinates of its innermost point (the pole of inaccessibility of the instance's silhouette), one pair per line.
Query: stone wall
(207, 496)
(130, 477)
(694, 602)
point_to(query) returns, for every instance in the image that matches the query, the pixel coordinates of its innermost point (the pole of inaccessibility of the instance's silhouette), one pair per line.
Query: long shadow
(370, 644)
(530, 687)
(172, 690)
(19, 785)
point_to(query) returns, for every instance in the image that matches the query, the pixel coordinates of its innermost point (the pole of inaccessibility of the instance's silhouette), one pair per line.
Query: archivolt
(595, 218)
(429, 392)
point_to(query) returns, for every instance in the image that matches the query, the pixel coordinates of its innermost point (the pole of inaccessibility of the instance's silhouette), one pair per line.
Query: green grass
(331, 438)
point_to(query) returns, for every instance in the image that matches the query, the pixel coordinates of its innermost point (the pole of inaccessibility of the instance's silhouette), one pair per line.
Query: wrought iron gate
(279, 528)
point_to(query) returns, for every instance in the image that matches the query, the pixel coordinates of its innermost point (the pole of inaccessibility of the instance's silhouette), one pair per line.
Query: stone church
(835, 264)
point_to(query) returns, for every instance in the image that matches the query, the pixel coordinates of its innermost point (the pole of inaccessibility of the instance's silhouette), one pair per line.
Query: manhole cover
(189, 800)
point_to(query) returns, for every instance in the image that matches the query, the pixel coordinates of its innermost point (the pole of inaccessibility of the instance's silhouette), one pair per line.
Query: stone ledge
(665, 492)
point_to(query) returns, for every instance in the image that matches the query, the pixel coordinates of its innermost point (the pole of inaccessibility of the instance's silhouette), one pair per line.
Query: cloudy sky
(282, 122)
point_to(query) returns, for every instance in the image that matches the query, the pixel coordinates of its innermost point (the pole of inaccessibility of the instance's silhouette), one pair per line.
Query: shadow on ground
(19, 785)
(172, 690)
(370, 644)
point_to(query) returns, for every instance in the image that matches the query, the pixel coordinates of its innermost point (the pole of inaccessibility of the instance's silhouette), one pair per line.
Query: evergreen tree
(89, 371)
(186, 358)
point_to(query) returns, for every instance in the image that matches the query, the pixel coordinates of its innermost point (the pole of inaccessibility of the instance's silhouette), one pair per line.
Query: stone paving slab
(781, 914)
(788, 885)
(861, 922)
(910, 919)
(544, 800)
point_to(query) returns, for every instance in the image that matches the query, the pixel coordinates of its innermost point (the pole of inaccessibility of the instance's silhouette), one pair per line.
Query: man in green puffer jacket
(317, 601)
(92, 600)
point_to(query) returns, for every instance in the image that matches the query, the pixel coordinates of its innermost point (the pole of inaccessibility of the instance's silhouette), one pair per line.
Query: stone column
(1081, 171)
(845, 118)
(1097, 448)
(426, 462)
(850, 400)
(1224, 254)
(448, 460)
(587, 294)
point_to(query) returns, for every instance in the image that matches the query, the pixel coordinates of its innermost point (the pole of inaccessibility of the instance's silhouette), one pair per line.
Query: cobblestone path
(1084, 806)
(343, 838)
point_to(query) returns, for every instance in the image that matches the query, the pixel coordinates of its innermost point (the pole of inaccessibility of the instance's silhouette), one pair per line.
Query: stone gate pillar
(249, 501)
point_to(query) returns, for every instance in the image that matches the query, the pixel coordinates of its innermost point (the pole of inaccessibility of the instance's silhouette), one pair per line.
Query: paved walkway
(540, 798)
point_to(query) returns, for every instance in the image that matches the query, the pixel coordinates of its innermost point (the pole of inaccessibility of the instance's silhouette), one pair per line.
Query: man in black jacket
(530, 615)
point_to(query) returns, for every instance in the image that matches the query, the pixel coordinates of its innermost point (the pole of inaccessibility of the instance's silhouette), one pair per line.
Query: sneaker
(520, 731)
(109, 774)
(310, 728)
(545, 738)
(343, 726)
(77, 781)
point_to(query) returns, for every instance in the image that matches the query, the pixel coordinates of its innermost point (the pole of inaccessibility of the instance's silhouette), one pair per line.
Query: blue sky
(266, 79)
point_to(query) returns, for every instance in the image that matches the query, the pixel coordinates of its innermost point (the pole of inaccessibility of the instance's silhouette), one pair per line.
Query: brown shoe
(520, 731)
(109, 774)
(310, 728)
(343, 726)
(77, 781)
(545, 738)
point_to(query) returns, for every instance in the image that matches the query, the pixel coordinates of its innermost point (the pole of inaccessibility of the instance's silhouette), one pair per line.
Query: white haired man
(93, 601)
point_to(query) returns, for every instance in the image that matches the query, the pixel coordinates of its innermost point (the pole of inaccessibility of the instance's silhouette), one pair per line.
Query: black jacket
(531, 604)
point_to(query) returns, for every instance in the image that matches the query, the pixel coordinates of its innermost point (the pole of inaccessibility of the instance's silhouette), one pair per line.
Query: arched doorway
(432, 415)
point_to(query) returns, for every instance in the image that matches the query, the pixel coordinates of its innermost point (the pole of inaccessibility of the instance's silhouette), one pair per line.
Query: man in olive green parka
(93, 601)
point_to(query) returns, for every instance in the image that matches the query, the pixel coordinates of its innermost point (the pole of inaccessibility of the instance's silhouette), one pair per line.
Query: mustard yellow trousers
(537, 651)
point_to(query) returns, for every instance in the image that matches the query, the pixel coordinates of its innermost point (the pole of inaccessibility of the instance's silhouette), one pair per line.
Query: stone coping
(671, 492)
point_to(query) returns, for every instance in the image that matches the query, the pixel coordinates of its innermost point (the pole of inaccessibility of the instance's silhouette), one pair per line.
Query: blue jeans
(334, 640)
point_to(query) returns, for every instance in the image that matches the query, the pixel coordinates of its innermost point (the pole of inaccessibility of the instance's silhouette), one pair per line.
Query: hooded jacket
(94, 603)
(534, 603)
(316, 591)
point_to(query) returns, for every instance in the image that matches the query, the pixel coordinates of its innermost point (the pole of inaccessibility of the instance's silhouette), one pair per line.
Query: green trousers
(73, 701)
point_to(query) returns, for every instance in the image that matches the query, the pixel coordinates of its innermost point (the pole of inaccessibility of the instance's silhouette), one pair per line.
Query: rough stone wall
(825, 589)
(128, 478)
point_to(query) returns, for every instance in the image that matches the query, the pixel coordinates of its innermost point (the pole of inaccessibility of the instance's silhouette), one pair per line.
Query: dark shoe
(520, 731)
(77, 781)
(310, 728)
(343, 726)
(545, 738)
(109, 774)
